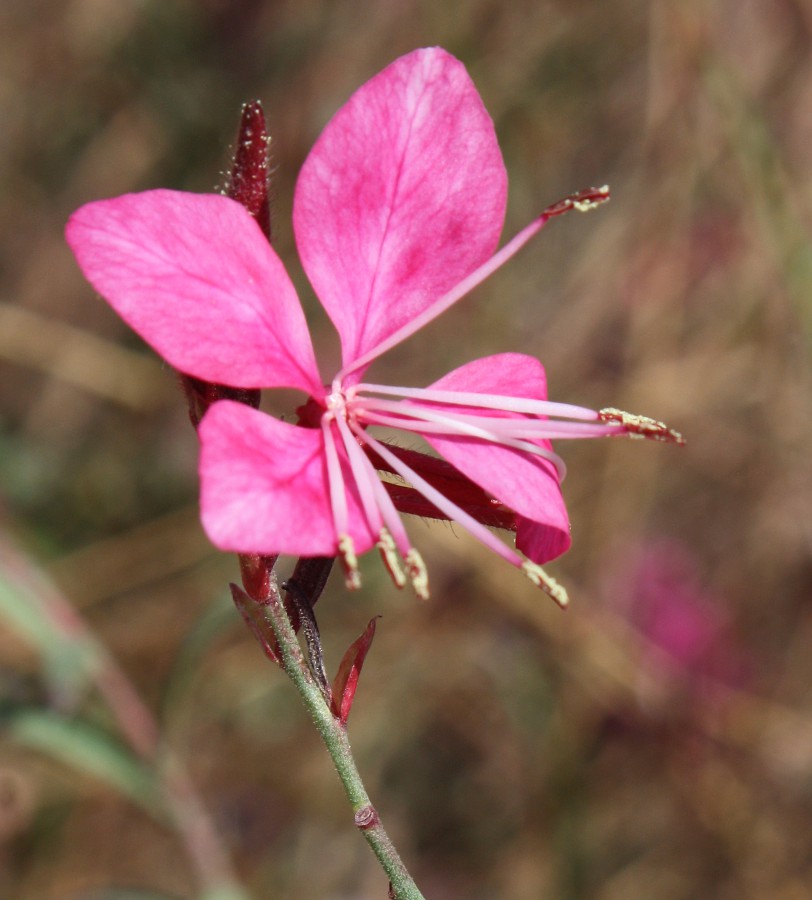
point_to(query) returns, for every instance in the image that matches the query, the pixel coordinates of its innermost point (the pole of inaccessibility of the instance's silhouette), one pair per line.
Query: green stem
(337, 742)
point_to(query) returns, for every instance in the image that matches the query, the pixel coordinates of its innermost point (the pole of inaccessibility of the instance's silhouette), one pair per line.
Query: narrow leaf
(346, 681)
(84, 747)
(254, 616)
(33, 608)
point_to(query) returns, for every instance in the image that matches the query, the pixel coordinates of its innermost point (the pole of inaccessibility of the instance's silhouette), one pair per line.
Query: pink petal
(264, 486)
(195, 277)
(402, 196)
(525, 483)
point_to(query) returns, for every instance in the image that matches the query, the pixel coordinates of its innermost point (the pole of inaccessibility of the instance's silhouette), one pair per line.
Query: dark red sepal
(248, 184)
(257, 576)
(249, 177)
(201, 394)
(450, 482)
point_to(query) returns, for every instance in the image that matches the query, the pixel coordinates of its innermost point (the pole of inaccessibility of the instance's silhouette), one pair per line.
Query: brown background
(654, 741)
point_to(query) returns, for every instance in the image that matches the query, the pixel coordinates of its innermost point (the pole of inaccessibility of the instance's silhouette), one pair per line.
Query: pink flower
(658, 586)
(397, 215)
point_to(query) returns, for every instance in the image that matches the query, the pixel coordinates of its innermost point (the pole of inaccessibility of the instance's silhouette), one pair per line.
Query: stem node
(366, 817)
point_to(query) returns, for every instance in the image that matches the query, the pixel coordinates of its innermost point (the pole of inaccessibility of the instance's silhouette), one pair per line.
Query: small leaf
(346, 681)
(254, 616)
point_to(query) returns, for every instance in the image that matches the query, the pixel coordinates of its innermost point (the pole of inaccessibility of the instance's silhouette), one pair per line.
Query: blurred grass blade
(217, 893)
(217, 620)
(20, 609)
(225, 893)
(33, 609)
(84, 747)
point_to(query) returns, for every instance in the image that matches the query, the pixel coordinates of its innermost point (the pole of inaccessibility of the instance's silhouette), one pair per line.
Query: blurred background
(655, 741)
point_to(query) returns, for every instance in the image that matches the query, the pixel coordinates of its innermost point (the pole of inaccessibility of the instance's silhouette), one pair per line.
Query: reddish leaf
(253, 614)
(346, 681)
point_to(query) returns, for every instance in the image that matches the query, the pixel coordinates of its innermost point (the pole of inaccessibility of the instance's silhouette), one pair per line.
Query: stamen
(431, 422)
(377, 504)
(388, 548)
(530, 429)
(363, 473)
(394, 524)
(335, 478)
(414, 562)
(451, 510)
(346, 551)
(484, 401)
(641, 426)
(418, 574)
(582, 201)
(548, 584)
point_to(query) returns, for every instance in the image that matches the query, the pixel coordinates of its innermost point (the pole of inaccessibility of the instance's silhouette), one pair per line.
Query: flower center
(521, 424)
(345, 418)
(343, 437)
(336, 402)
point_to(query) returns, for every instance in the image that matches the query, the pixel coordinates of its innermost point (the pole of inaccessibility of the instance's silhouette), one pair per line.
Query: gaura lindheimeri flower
(397, 215)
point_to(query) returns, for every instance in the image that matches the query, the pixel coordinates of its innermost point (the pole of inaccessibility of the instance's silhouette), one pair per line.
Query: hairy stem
(335, 738)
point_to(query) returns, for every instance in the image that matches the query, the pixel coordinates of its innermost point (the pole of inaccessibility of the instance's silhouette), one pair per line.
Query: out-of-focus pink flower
(688, 630)
(397, 215)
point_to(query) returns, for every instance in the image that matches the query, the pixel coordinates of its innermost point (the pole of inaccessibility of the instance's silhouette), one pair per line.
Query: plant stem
(335, 738)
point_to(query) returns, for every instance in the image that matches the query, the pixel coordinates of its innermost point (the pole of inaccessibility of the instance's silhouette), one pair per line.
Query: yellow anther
(600, 196)
(346, 550)
(389, 555)
(641, 426)
(418, 574)
(549, 585)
